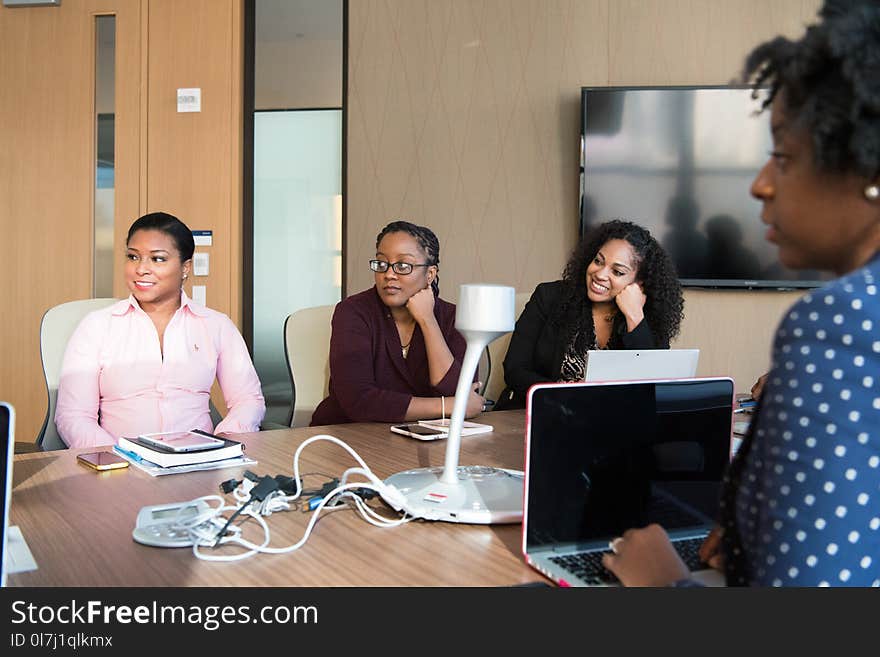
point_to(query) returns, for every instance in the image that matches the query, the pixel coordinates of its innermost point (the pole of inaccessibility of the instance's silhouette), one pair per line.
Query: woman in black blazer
(619, 290)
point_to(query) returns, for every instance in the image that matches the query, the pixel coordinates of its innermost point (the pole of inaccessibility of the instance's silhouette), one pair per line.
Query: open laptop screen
(604, 458)
(6, 444)
(635, 364)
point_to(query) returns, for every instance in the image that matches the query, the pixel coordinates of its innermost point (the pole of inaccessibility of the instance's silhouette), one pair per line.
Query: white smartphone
(419, 432)
(181, 441)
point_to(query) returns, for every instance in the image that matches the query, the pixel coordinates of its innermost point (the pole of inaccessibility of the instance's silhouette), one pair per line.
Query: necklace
(404, 348)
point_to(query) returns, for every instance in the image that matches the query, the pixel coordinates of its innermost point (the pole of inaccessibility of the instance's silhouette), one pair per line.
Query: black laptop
(602, 458)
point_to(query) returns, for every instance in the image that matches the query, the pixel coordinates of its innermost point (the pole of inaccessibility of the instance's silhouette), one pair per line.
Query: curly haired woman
(619, 290)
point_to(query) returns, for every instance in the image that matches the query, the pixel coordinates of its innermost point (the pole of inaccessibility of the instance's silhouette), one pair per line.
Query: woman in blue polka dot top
(801, 505)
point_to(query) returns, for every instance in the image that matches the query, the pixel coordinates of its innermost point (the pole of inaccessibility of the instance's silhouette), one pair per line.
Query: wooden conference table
(78, 522)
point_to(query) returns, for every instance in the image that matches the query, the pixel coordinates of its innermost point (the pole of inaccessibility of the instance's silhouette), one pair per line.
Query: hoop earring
(872, 192)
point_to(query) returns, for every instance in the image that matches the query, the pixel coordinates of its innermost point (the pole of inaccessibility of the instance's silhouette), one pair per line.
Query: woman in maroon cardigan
(394, 352)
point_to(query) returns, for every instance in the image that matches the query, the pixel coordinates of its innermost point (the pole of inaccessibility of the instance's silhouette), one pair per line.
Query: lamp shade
(485, 308)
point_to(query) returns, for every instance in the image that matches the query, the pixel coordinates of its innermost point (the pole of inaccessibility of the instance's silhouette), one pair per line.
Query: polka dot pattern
(799, 506)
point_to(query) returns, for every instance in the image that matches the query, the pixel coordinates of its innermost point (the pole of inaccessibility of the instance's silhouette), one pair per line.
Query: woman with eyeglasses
(394, 352)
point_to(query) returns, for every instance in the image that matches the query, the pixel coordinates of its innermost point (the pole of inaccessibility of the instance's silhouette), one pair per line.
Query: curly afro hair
(664, 308)
(830, 81)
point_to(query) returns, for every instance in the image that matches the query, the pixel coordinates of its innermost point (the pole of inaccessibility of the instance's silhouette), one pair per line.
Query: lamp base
(483, 495)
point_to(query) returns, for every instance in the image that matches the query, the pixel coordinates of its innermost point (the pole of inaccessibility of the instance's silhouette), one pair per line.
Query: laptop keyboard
(588, 565)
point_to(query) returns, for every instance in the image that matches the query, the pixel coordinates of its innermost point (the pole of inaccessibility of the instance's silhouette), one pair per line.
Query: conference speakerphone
(170, 525)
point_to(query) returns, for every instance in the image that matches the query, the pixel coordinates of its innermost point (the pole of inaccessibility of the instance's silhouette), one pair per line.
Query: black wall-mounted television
(679, 161)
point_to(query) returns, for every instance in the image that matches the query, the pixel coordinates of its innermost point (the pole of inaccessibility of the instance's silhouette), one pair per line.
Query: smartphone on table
(419, 432)
(102, 460)
(181, 441)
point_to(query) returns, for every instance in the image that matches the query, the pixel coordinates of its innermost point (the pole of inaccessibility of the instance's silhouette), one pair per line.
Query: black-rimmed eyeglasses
(402, 268)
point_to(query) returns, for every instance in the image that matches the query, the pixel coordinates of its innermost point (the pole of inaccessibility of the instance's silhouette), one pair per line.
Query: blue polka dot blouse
(802, 501)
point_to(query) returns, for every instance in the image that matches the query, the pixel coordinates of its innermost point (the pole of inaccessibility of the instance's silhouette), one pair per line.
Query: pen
(226, 441)
(205, 433)
(131, 455)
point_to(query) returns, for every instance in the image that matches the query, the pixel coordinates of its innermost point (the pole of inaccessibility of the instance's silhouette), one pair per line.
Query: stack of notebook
(156, 460)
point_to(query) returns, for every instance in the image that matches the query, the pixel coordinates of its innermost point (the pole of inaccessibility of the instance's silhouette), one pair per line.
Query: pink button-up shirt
(116, 382)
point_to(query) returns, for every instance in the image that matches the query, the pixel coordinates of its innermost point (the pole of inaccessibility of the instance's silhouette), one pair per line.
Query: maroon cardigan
(370, 381)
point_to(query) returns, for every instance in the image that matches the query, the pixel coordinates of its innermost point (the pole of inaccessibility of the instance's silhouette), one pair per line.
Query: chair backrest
(497, 349)
(56, 328)
(307, 348)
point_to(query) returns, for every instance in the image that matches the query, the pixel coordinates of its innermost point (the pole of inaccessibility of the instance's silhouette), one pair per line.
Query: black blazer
(538, 345)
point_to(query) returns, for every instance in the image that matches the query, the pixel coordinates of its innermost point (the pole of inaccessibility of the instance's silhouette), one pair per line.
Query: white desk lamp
(474, 493)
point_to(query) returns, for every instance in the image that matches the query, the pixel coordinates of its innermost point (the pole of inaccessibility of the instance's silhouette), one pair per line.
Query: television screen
(679, 161)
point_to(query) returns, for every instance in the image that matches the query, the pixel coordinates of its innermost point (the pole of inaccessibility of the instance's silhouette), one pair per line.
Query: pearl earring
(872, 192)
(184, 276)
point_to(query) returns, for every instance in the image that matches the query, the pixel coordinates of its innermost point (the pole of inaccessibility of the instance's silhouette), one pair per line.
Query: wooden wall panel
(465, 116)
(47, 173)
(130, 105)
(187, 164)
(194, 159)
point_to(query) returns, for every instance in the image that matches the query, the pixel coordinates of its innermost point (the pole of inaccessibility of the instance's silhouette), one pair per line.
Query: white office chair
(307, 348)
(497, 350)
(56, 328)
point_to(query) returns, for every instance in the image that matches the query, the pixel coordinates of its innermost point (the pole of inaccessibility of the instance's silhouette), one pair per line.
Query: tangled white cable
(204, 528)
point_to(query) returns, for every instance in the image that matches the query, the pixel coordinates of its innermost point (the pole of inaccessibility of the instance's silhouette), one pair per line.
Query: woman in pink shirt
(147, 364)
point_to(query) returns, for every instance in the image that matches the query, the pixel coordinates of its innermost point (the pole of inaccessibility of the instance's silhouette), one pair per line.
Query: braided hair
(830, 79)
(664, 305)
(426, 239)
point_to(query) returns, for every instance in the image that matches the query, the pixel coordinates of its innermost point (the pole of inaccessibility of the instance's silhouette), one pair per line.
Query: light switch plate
(189, 100)
(200, 294)
(200, 264)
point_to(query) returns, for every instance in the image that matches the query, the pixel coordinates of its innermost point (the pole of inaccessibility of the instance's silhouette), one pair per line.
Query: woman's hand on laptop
(645, 557)
(710, 550)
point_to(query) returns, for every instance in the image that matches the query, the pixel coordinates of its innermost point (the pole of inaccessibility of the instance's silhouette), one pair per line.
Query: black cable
(265, 486)
(238, 511)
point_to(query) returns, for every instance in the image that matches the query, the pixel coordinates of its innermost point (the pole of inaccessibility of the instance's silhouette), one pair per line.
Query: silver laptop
(602, 458)
(635, 364)
(7, 433)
